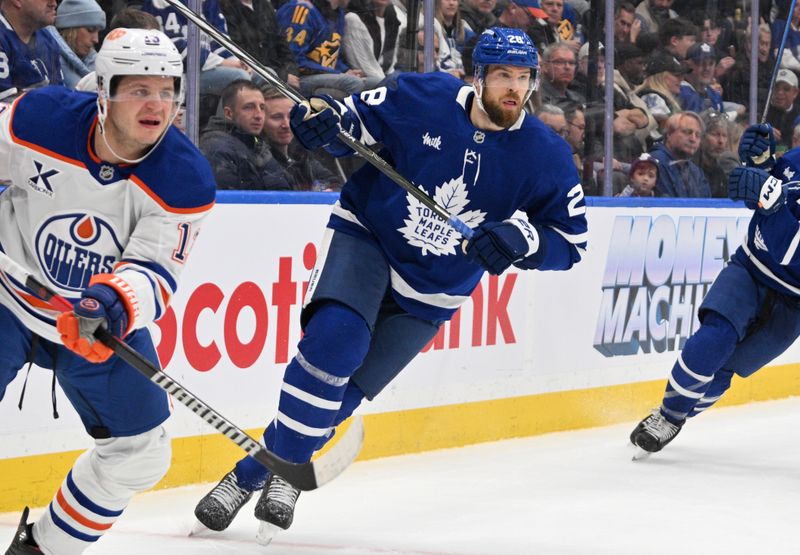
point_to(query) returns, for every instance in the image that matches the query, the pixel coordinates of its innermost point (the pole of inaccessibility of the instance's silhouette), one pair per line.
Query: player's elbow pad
(350, 124)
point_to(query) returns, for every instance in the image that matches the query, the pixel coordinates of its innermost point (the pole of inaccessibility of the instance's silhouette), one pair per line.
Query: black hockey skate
(654, 432)
(23, 543)
(275, 508)
(218, 508)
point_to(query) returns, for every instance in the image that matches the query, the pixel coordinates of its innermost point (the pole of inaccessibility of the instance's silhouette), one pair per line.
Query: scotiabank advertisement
(618, 317)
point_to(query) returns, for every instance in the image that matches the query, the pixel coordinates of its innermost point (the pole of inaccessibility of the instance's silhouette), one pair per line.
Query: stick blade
(333, 462)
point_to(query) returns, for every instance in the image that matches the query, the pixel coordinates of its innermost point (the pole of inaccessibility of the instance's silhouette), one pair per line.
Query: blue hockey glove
(757, 147)
(498, 245)
(315, 123)
(758, 189)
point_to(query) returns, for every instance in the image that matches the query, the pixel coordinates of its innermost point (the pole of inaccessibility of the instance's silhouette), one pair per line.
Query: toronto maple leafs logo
(424, 229)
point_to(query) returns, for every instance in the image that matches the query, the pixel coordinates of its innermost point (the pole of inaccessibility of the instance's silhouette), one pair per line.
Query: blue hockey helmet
(505, 46)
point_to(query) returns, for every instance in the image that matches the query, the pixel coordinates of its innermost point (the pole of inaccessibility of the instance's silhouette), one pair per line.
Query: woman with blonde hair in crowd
(77, 32)
(660, 89)
(456, 32)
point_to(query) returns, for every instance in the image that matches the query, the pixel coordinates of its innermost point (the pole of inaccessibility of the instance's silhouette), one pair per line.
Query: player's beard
(497, 114)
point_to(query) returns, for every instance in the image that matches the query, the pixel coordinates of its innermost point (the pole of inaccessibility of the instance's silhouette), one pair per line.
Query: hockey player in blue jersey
(389, 271)
(751, 314)
(105, 201)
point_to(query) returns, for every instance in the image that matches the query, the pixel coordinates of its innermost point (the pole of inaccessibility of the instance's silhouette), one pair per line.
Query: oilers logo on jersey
(69, 248)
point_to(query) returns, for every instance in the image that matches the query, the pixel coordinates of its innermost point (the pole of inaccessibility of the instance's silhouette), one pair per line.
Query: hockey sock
(719, 385)
(704, 353)
(335, 343)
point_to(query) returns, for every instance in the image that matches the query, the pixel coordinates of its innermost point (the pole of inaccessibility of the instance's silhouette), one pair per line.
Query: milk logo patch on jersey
(71, 248)
(426, 230)
(433, 142)
(41, 181)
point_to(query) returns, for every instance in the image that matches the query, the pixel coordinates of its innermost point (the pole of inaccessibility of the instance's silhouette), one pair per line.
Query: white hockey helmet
(137, 52)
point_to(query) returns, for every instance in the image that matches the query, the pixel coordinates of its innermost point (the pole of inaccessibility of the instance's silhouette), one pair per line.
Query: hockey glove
(498, 245)
(758, 189)
(757, 147)
(100, 305)
(315, 123)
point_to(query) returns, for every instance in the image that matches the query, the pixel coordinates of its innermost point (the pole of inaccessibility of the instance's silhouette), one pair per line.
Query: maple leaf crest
(424, 229)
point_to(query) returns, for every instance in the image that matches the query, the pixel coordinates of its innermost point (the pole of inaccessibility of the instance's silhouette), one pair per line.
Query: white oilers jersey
(67, 215)
(480, 176)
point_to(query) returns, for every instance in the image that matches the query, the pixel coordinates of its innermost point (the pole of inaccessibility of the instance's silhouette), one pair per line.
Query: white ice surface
(729, 484)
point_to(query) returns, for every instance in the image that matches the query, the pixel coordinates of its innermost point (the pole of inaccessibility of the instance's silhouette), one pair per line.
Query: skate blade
(266, 533)
(198, 529)
(640, 454)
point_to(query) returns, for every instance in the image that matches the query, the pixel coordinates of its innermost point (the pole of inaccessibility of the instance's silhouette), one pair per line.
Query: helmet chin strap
(101, 121)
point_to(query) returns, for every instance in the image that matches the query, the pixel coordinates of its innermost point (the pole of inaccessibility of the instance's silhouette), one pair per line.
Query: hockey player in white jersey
(390, 272)
(751, 314)
(105, 201)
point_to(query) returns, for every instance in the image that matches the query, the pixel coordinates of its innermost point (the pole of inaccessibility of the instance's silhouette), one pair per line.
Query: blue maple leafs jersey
(315, 41)
(479, 176)
(771, 250)
(24, 66)
(67, 215)
(174, 25)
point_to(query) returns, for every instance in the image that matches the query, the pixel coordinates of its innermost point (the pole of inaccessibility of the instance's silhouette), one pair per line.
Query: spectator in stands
(661, 87)
(31, 57)
(629, 75)
(558, 26)
(370, 40)
(218, 66)
(677, 36)
(478, 14)
(456, 33)
(626, 26)
(576, 130)
(791, 49)
(716, 157)
(678, 175)
(642, 178)
(233, 145)
(697, 92)
(253, 26)
(653, 14)
(553, 117)
(314, 31)
(736, 81)
(302, 168)
(783, 111)
(711, 33)
(77, 32)
(559, 66)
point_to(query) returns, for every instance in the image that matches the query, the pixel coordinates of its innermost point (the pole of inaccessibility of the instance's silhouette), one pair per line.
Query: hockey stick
(305, 476)
(345, 137)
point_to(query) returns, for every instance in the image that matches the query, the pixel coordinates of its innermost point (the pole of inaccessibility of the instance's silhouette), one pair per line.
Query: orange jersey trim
(149, 192)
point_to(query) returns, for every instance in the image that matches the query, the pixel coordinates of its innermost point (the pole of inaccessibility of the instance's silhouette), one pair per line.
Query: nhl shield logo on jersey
(429, 232)
(41, 181)
(106, 172)
(73, 247)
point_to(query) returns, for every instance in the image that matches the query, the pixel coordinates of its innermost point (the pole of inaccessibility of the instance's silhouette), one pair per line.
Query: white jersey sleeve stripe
(787, 258)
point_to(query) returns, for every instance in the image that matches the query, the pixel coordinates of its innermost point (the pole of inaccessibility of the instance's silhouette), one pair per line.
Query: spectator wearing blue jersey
(77, 32)
(678, 175)
(314, 32)
(218, 66)
(233, 144)
(29, 55)
(697, 93)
